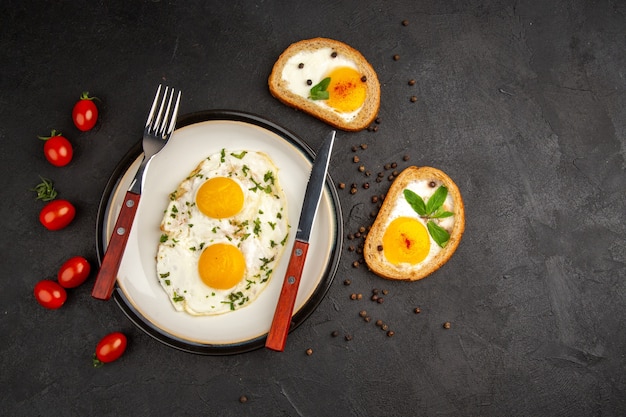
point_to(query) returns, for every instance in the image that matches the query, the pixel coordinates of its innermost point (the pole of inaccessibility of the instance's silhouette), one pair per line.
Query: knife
(281, 322)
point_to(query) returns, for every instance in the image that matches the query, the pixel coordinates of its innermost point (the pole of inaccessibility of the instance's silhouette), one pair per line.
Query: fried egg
(347, 90)
(406, 240)
(223, 233)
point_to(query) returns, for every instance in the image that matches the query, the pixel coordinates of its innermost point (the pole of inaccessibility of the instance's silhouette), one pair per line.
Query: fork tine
(153, 108)
(155, 124)
(170, 128)
(161, 127)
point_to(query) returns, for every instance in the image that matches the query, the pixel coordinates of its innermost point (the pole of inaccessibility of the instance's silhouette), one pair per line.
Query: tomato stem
(97, 363)
(85, 96)
(53, 133)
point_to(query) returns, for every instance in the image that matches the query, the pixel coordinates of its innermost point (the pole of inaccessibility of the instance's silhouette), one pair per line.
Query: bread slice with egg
(353, 97)
(400, 245)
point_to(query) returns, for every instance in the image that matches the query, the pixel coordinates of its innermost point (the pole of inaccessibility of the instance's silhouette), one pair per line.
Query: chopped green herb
(163, 238)
(165, 275)
(239, 155)
(223, 155)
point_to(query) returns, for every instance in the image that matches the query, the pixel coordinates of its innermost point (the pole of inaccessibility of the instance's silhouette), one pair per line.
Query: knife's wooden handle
(277, 335)
(105, 281)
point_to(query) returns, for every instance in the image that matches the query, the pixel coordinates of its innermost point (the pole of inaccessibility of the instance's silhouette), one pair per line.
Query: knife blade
(277, 336)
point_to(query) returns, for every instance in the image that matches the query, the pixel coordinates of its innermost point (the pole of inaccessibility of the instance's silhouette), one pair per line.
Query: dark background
(522, 103)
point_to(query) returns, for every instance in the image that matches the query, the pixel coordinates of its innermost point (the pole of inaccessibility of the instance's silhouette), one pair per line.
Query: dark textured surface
(522, 103)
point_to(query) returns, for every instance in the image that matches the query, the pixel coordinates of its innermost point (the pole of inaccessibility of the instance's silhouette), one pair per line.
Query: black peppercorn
(309, 82)
(334, 54)
(348, 337)
(362, 313)
(301, 65)
(380, 248)
(364, 78)
(355, 159)
(309, 352)
(417, 310)
(447, 325)
(405, 22)
(413, 99)
(243, 399)
(379, 323)
(396, 57)
(405, 158)
(364, 146)
(411, 82)
(347, 282)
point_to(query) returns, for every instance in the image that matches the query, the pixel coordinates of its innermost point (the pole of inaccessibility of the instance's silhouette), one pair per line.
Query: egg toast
(328, 80)
(418, 227)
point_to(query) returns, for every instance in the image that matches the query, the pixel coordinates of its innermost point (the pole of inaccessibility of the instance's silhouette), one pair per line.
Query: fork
(158, 130)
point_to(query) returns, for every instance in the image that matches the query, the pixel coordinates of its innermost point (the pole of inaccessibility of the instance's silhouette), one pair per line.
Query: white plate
(138, 291)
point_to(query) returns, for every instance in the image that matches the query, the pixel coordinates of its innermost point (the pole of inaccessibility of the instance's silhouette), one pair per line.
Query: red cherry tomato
(57, 149)
(85, 113)
(74, 272)
(57, 214)
(50, 294)
(110, 348)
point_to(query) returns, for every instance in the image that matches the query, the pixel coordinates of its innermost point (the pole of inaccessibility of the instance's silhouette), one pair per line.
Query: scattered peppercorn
(380, 300)
(347, 282)
(405, 158)
(387, 166)
(377, 121)
(396, 57)
(367, 319)
(362, 229)
(354, 148)
(364, 146)
(447, 325)
(375, 129)
(384, 327)
(405, 22)
(364, 79)
(375, 199)
(334, 54)
(362, 313)
(353, 296)
(380, 248)
(353, 190)
(394, 165)
(432, 184)
(355, 264)
(379, 323)
(417, 310)
(348, 337)
(385, 292)
(375, 291)
(390, 178)
(243, 399)
(366, 185)
(361, 168)
(359, 296)
(334, 333)
(342, 185)
(374, 297)
(355, 159)
(390, 333)
(411, 82)
(309, 82)
(351, 248)
(309, 352)
(413, 99)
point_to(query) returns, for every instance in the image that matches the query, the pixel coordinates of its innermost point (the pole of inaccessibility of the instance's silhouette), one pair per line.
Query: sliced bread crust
(279, 89)
(373, 250)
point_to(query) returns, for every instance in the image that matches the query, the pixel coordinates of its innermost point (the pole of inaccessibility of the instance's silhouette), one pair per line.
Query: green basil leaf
(439, 234)
(442, 214)
(416, 202)
(436, 200)
(318, 91)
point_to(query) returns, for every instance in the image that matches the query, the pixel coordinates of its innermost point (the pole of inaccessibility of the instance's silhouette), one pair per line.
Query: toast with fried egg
(328, 80)
(419, 225)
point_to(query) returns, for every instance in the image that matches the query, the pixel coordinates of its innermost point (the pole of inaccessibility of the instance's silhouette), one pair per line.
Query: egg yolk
(220, 197)
(346, 91)
(221, 266)
(406, 240)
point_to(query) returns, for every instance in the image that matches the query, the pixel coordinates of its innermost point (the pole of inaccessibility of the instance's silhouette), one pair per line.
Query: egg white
(317, 65)
(259, 230)
(402, 208)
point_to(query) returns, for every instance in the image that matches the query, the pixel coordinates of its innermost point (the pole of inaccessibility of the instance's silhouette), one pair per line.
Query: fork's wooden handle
(105, 281)
(277, 336)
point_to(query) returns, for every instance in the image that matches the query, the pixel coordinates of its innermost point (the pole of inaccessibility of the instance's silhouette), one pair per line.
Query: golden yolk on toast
(346, 90)
(406, 240)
